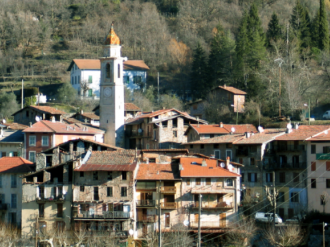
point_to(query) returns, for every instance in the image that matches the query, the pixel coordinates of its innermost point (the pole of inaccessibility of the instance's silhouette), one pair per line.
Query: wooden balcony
(103, 215)
(168, 205)
(168, 189)
(147, 218)
(209, 224)
(145, 203)
(211, 205)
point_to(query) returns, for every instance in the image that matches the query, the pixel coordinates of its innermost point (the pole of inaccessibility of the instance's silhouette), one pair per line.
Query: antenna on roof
(223, 165)
(232, 130)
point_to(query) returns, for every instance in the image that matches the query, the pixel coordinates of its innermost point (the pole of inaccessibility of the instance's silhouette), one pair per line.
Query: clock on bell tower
(112, 91)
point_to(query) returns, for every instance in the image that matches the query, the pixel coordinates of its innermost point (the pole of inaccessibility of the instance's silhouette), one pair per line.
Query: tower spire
(112, 38)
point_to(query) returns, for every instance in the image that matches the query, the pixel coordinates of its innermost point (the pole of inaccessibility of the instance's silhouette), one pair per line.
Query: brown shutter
(328, 165)
(313, 166)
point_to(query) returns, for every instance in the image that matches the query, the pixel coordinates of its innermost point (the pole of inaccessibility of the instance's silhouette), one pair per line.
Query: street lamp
(309, 111)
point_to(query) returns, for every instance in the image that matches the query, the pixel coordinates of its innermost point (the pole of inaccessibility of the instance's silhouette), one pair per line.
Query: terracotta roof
(323, 136)
(120, 160)
(89, 115)
(156, 172)
(173, 150)
(131, 107)
(15, 165)
(216, 129)
(112, 38)
(232, 89)
(43, 109)
(58, 127)
(218, 139)
(135, 65)
(197, 170)
(304, 132)
(16, 126)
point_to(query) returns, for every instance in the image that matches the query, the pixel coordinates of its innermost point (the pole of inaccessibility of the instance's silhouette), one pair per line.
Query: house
(12, 140)
(31, 114)
(130, 110)
(200, 131)
(46, 134)
(103, 192)
(86, 73)
(11, 170)
(161, 129)
(87, 117)
(232, 97)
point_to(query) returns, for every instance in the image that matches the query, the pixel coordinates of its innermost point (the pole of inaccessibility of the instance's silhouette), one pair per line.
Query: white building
(86, 73)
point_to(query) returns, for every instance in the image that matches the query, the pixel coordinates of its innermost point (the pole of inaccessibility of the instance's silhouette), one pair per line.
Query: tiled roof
(58, 127)
(323, 136)
(218, 139)
(174, 150)
(43, 109)
(303, 132)
(95, 64)
(232, 89)
(216, 129)
(197, 170)
(135, 65)
(90, 115)
(131, 107)
(10, 136)
(260, 138)
(16, 126)
(156, 172)
(15, 165)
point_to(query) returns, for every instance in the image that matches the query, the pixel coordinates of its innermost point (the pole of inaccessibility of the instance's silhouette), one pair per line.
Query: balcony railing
(145, 203)
(289, 148)
(103, 215)
(296, 165)
(147, 218)
(52, 198)
(136, 133)
(208, 224)
(3, 206)
(168, 205)
(168, 190)
(210, 205)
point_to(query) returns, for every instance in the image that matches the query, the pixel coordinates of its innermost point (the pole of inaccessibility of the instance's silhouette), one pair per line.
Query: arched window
(118, 70)
(108, 69)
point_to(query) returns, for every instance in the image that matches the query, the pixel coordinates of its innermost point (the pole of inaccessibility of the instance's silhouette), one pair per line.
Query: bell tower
(112, 91)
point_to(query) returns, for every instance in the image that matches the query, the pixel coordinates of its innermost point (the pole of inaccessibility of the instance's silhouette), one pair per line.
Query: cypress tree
(315, 30)
(323, 28)
(198, 74)
(274, 31)
(254, 22)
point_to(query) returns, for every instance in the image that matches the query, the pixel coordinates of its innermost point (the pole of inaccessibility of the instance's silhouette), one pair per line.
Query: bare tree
(9, 235)
(84, 86)
(285, 236)
(324, 199)
(241, 233)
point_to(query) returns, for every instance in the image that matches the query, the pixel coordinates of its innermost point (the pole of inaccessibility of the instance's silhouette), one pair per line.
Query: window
(108, 70)
(78, 79)
(82, 174)
(313, 183)
(45, 141)
(41, 210)
(59, 210)
(252, 161)
(228, 154)
(242, 178)
(152, 160)
(90, 79)
(154, 136)
(188, 181)
(27, 113)
(96, 193)
(202, 146)
(208, 181)
(123, 191)
(32, 140)
(13, 181)
(164, 124)
(15, 154)
(32, 156)
(313, 166)
(280, 197)
(294, 197)
(296, 177)
(269, 177)
(95, 175)
(326, 150)
(217, 154)
(137, 79)
(229, 182)
(198, 181)
(109, 191)
(191, 146)
(327, 166)
(72, 81)
(109, 176)
(12, 218)
(3, 154)
(313, 149)
(82, 188)
(282, 177)
(252, 177)
(123, 175)
(175, 133)
(328, 183)
(13, 200)
(126, 79)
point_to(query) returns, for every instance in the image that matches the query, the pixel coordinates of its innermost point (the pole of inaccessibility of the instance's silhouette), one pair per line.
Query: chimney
(61, 119)
(52, 119)
(180, 167)
(288, 128)
(227, 161)
(204, 163)
(30, 124)
(81, 111)
(296, 126)
(147, 162)
(221, 125)
(247, 134)
(224, 86)
(67, 127)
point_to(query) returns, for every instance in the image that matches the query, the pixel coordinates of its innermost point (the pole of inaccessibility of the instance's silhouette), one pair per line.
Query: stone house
(47, 134)
(87, 117)
(88, 71)
(199, 131)
(232, 97)
(161, 129)
(11, 170)
(130, 110)
(28, 115)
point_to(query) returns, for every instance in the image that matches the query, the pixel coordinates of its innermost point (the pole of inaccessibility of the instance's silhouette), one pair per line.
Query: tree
(66, 93)
(285, 236)
(170, 101)
(241, 233)
(32, 100)
(8, 104)
(323, 28)
(199, 85)
(274, 32)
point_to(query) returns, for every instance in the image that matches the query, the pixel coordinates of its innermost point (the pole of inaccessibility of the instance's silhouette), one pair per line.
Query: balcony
(3, 206)
(137, 134)
(208, 224)
(168, 190)
(103, 215)
(59, 198)
(289, 148)
(287, 166)
(147, 218)
(213, 205)
(145, 203)
(168, 205)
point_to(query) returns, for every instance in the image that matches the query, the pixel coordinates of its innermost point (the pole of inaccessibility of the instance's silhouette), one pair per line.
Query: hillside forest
(275, 50)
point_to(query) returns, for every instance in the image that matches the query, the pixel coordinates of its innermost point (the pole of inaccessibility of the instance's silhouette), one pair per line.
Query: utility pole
(158, 87)
(323, 228)
(279, 101)
(237, 112)
(22, 93)
(38, 96)
(199, 220)
(274, 199)
(159, 214)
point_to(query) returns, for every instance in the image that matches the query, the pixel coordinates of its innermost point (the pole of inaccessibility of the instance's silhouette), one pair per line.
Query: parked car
(326, 115)
(296, 219)
(267, 217)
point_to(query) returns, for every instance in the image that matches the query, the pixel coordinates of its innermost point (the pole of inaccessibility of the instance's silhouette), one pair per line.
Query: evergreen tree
(198, 74)
(315, 31)
(254, 22)
(323, 35)
(274, 32)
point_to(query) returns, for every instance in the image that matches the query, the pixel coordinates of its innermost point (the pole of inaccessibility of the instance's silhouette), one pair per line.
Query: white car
(267, 217)
(326, 115)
